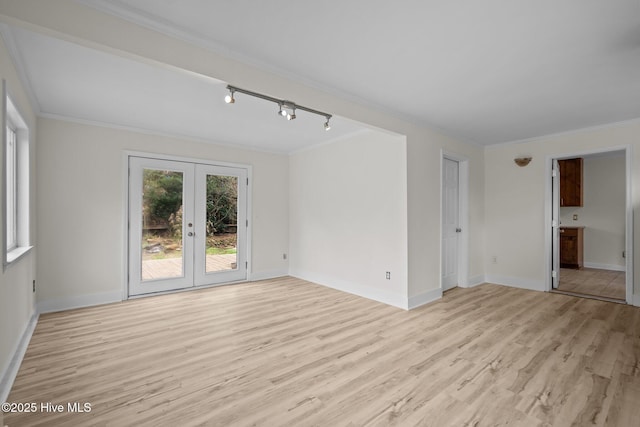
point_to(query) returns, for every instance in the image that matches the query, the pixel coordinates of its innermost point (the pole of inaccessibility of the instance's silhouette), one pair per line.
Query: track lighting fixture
(229, 99)
(283, 105)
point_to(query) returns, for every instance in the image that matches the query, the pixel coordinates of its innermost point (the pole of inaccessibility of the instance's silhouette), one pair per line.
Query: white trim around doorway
(628, 220)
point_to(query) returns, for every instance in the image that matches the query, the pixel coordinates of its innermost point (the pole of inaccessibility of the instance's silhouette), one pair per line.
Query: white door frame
(125, 210)
(555, 223)
(628, 218)
(463, 209)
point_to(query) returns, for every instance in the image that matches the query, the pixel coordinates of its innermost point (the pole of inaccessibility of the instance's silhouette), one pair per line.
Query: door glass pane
(221, 223)
(162, 224)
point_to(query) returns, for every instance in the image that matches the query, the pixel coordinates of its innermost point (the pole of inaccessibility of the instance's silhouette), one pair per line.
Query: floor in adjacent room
(286, 352)
(594, 282)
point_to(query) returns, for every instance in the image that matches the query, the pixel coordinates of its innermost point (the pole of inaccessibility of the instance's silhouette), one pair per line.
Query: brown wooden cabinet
(571, 247)
(571, 193)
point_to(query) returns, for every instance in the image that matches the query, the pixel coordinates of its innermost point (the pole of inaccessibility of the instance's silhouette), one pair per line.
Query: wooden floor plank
(286, 352)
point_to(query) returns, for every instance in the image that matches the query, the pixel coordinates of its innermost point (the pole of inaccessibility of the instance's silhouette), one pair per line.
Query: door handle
(458, 230)
(190, 233)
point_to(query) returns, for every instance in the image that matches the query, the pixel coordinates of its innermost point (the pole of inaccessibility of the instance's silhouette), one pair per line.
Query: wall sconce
(522, 161)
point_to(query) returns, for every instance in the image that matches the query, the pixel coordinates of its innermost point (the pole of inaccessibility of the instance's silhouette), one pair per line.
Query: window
(16, 178)
(12, 193)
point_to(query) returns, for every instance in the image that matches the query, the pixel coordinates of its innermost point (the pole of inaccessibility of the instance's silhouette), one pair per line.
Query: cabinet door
(571, 247)
(570, 182)
(568, 249)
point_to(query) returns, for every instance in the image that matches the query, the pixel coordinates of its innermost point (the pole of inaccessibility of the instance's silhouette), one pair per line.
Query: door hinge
(246, 264)
(247, 224)
(247, 181)
(554, 173)
(554, 274)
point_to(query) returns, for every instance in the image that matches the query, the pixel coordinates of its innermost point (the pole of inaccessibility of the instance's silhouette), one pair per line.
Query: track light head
(327, 126)
(292, 116)
(229, 99)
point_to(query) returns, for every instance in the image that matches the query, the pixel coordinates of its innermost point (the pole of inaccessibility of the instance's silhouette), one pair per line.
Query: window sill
(16, 254)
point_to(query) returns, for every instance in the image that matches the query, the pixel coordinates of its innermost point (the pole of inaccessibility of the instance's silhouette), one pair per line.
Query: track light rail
(282, 103)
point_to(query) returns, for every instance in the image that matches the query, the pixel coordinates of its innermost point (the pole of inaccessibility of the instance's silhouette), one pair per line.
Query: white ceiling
(490, 72)
(75, 82)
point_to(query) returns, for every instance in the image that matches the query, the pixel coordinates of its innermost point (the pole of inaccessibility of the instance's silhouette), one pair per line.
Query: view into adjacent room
(592, 206)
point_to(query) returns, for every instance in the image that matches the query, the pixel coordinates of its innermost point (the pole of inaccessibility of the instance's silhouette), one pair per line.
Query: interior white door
(187, 225)
(450, 223)
(555, 225)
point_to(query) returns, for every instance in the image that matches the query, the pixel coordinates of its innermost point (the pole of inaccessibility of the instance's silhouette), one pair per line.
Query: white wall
(348, 216)
(81, 205)
(515, 200)
(425, 149)
(603, 213)
(16, 296)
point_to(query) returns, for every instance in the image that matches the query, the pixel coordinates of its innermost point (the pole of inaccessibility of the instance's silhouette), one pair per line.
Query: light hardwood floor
(290, 353)
(596, 282)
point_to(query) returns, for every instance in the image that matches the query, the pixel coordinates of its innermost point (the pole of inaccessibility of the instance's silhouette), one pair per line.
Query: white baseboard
(474, 281)
(599, 266)
(264, 275)
(9, 375)
(517, 282)
(389, 298)
(424, 298)
(79, 301)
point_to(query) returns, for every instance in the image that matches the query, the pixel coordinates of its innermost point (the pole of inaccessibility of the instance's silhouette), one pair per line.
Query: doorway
(454, 222)
(589, 203)
(450, 223)
(187, 225)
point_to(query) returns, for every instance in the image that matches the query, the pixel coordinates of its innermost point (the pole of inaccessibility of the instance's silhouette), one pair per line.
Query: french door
(187, 225)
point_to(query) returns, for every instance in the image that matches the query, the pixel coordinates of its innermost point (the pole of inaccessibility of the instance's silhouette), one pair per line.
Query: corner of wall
(9, 375)
(474, 281)
(424, 298)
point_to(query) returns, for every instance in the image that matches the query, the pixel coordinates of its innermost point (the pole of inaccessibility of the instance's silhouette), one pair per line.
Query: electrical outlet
(494, 259)
(388, 275)
(575, 217)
